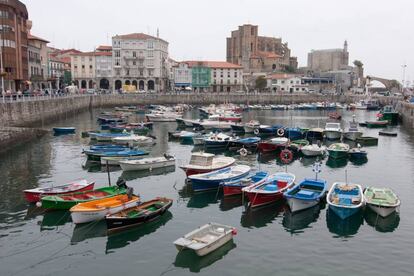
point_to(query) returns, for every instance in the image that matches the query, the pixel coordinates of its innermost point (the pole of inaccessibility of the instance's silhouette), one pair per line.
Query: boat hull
(344, 212)
(35, 197)
(261, 199)
(352, 135)
(265, 147)
(200, 185)
(297, 205)
(333, 135)
(337, 154)
(382, 210)
(63, 130)
(148, 166)
(311, 153)
(212, 247)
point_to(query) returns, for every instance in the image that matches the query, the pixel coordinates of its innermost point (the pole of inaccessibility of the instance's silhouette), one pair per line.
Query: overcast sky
(379, 33)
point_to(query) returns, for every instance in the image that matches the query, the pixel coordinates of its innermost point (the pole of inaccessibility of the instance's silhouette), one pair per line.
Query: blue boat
(293, 133)
(306, 194)
(187, 138)
(108, 147)
(110, 120)
(109, 136)
(345, 199)
(212, 180)
(96, 155)
(249, 142)
(357, 153)
(63, 130)
(270, 130)
(235, 187)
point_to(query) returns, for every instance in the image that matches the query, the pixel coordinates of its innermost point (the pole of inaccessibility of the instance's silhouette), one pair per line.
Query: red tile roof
(138, 36)
(262, 54)
(104, 48)
(32, 37)
(92, 54)
(62, 52)
(213, 64)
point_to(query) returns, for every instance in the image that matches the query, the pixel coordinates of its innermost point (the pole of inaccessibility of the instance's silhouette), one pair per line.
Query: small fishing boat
(107, 137)
(237, 128)
(147, 163)
(251, 126)
(187, 138)
(34, 195)
(163, 116)
(333, 131)
(108, 147)
(235, 187)
(96, 155)
(218, 140)
(345, 199)
(114, 160)
(63, 130)
(293, 133)
(313, 150)
(357, 153)
(211, 180)
(110, 120)
(138, 215)
(367, 141)
(297, 145)
(202, 162)
(272, 144)
(199, 140)
(98, 209)
(270, 130)
(270, 190)
(134, 140)
(248, 143)
(214, 123)
(376, 124)
(382, 201)
(353, 133)
(338, 150)
(67, 201)
(206, 238)
(388, 133)
(314, 134)
(389, 114)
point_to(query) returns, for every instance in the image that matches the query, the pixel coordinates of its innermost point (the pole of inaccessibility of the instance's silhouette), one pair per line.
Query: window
(127, 72)
(252, 31)
(134, 63)
(228, 81)
(76, 67)
(150, 72)
(9, 43)
(297, 89)
(291, 81)
(117, 53)
(141, 72)
(150, 44)
(150, 53)
(6, 28)
(134, 54)
(83, 66)
(4, 14)
(282, 81)
(90, 66)
(235, 81)
(228, 73)
(235, 74)
(90, 59)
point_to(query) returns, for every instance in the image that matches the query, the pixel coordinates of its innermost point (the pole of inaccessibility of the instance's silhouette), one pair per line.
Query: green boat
(298, 144)
(389, 114)
(367, 141)
(338, 150)
(67, 201)
(376, 124)
(383, 201)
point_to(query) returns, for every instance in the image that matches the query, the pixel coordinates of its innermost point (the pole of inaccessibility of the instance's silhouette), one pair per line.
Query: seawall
(13, 136)
(407, 113)
(38, 112)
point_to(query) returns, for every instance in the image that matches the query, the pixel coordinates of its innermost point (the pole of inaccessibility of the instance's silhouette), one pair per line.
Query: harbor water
(270, 240)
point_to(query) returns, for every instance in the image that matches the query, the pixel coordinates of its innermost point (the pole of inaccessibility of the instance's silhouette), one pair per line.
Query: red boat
(202, 162)
(269, 191)
(272, 144)
(34, 195)
(235, 187)
(335, 115)
(230, 118)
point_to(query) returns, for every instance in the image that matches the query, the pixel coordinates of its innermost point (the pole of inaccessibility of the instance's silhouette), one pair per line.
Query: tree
(261, 82)
(289, 69)
(395, 83)
(358, 63)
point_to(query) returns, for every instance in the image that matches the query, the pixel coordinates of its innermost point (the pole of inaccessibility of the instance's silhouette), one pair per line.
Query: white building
(182, 76)
(103, 72)
(141, 60)
(83, 70)
(286, 83)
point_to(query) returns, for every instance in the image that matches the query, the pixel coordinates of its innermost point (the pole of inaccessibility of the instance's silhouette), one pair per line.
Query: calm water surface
(270, 240)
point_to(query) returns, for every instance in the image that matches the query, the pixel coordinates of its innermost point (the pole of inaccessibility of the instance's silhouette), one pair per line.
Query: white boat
(98, 209)
(218, 140)
(134, 140)
(190, 123)
(251, 126)
(202, 162)
(163, 116)
(147, 163)
(206, 238)
(361, 105)
(214, 123)
(313, 150)
(279, 141)
(353, 133)
(382, 201)
(114, 160)
(333, 131)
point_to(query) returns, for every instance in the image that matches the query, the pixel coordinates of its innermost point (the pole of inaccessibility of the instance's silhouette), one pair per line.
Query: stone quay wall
(12, 136)
(40, 111)
(407, 113)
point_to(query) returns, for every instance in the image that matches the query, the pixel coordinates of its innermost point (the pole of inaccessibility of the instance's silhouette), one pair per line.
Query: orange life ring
(286, 156)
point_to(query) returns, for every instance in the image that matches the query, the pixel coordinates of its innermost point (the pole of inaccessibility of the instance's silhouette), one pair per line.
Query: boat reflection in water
(308, 161)
(201, 200)
(189, 259)
(336, 163)
(358, 161)
(343, 227)
(229, 202)
(92, 166)
(296, 222)
(124, 238)
(387, 224)
(53, 219)
(33, 211)
(86, 231)
(131, 175)
(260, 217)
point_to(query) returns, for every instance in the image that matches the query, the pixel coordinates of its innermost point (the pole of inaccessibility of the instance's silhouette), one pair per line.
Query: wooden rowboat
(33, 195)
(138, 215)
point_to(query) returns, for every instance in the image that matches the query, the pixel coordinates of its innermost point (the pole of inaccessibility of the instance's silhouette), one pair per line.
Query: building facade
(13, 45)
(286, 83)
(57, 68)
(35, 67)
(182, 76)
(40, 79)
(83, 70)
(258, 53)
(140, 60)
(328, 60)
(103, 72)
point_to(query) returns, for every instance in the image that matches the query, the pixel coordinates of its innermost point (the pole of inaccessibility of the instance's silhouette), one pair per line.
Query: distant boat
(389, 114)
(137, 215)
(357, 153)
(313, 150)
(382, 201)
(206, 238)
(345, 199)
(367, 141)
(235, 187)
(251, 126)
(211, 180)
(333, 131)
(96, 155)
(202, 162)
(218, 140)
(248, 143)
(353, 133)
(63, 130)
(147, 163)
(376, 124)
(270, 190)
(272, 144)
(338, 150)
(34, 195)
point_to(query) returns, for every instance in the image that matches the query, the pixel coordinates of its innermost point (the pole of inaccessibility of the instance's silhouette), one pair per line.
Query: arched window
(151, 85)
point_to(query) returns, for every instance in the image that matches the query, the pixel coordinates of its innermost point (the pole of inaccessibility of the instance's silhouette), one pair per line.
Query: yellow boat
(98, 209)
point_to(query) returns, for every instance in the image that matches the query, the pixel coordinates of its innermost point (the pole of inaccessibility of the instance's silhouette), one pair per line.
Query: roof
(57, 59)
(104, 48)
(138, 36)
(213, 64)
(62, 52)
(32, 37)
(281, 76)
(92, 54)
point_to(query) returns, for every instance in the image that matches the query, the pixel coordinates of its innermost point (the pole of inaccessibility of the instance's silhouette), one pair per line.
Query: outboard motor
(121, 183)
(130, 192)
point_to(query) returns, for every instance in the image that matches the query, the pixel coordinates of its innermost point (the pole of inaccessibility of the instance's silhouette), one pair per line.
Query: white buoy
(38, 204)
